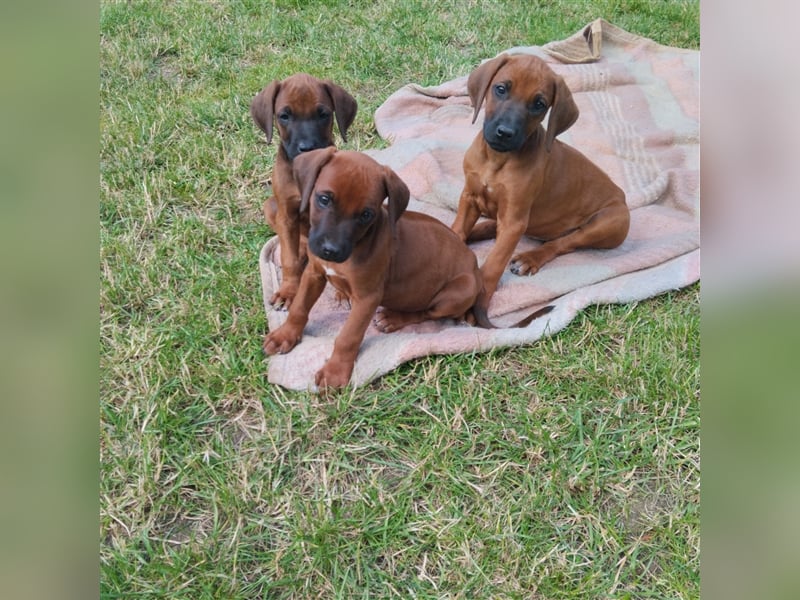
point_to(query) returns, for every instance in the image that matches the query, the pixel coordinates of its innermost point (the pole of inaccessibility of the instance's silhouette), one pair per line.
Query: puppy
(409, 263)
(525, 180)
(304, 108)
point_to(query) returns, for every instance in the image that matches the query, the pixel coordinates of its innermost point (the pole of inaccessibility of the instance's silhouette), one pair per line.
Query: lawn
(564, 469)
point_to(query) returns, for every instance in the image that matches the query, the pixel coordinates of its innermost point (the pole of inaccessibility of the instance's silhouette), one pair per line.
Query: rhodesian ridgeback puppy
(406, 262)
(525, 180)
(304, 108)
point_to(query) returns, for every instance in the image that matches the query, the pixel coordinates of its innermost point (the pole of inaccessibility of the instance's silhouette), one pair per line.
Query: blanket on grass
(638, 121)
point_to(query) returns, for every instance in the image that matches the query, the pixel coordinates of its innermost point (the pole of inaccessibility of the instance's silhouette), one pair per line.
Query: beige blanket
(638, 120)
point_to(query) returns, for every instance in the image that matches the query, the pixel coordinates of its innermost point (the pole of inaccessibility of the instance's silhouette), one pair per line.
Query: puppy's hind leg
(484, 230)
(606, 229)
(453, 301)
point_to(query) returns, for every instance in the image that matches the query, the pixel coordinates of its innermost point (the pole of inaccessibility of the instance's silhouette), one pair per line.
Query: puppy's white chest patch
(331, 273)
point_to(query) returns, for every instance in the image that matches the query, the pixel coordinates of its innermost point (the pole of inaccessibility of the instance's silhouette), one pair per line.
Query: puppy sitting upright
(415, 266)
(304, 107)
(526, 181)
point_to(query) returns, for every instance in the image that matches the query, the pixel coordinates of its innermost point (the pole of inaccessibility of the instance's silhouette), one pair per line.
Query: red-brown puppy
(413, 266)
(526, 181)
(304, 108)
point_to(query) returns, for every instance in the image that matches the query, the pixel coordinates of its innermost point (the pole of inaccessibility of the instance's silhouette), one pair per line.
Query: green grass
(567, 469)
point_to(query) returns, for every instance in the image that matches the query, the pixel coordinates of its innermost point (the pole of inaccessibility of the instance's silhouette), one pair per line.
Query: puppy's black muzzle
(505, 132)
(328, 249)
(304, 136)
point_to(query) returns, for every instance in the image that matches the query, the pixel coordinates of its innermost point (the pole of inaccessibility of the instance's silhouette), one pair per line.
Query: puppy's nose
(329, 251)
(503, 132)
(305, 146)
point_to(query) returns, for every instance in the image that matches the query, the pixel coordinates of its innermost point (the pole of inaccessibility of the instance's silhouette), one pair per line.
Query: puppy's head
(519, 90)
(304, 108)
(344, 193)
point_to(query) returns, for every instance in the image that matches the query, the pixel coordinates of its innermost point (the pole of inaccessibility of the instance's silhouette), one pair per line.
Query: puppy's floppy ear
(344, 107)
(398, 194)
(262, 108)
(306, 167)
(480, 79)
(563, 112)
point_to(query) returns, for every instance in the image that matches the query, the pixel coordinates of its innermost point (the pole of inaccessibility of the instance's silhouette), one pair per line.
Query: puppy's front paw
(281, 340)
(333, 375)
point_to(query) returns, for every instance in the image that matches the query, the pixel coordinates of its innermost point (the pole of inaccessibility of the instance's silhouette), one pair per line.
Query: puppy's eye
(500, 90)
(323, 113)
(538, 105)
(285, 116)
(366, 216)
(324, 200)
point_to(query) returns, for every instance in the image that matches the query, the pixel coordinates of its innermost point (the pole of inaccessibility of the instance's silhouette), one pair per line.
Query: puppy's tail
(482, 318)
(534, 315)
